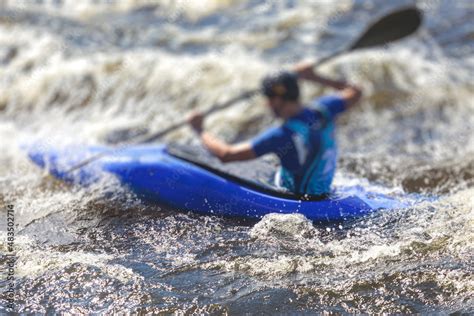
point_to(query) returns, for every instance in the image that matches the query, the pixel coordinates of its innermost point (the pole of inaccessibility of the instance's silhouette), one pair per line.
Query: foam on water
(83, 71)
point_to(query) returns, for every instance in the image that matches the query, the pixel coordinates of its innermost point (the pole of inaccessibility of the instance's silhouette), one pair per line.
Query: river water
(93, 72)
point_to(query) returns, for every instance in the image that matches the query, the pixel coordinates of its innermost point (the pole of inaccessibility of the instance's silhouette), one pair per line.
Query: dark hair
(283, 84)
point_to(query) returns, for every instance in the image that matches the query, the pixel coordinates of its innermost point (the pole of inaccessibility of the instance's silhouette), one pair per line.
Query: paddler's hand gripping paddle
(391, 27)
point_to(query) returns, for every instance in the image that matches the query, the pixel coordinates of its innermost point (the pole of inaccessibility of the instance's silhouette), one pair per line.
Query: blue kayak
(157, 175)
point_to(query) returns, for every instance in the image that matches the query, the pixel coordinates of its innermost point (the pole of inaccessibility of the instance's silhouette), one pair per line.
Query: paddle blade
(390, 28)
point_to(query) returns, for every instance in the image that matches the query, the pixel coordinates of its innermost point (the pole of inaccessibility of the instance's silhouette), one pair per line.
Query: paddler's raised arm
(223, 151)
(350, 93)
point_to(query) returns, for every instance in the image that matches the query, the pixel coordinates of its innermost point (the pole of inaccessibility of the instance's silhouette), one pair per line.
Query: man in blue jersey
(304, 143)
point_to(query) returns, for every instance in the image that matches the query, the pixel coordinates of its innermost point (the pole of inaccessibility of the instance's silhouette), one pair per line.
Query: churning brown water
(87, 71)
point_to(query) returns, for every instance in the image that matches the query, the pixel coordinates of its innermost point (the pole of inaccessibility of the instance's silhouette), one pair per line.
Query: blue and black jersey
(306, 147)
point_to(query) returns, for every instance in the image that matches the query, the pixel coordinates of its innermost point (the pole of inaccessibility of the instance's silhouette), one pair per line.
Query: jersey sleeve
(269, 141)
(330, 105)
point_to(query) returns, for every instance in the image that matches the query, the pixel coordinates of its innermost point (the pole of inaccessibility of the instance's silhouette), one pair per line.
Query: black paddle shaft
(150, 138)
(391, 27)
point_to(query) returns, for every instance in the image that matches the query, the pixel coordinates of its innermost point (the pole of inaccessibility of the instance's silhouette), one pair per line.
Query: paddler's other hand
(196, 120)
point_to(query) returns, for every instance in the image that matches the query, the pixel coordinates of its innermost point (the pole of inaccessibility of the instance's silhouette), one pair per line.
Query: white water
(78, 71)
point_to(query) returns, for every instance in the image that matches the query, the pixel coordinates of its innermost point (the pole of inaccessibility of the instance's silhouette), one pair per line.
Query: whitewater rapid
(86, 71)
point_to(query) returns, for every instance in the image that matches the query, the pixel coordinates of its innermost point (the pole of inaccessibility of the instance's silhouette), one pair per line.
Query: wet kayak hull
(155, 175)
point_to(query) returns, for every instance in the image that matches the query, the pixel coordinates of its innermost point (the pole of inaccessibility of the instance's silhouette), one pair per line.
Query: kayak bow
(157, 175)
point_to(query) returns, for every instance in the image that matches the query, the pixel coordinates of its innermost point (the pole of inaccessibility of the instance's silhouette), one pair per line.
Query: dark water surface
(98, 71)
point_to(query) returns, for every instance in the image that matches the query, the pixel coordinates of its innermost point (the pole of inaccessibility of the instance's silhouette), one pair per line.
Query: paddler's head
(283, 93)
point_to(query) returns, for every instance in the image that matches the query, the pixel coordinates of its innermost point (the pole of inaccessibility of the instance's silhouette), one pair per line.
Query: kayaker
(304, 143)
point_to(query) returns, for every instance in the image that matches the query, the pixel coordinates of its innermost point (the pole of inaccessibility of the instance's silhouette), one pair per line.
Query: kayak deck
(251, 180)
(164, 176)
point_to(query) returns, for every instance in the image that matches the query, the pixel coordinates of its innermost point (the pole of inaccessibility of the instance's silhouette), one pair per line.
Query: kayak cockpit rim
(245, 182)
